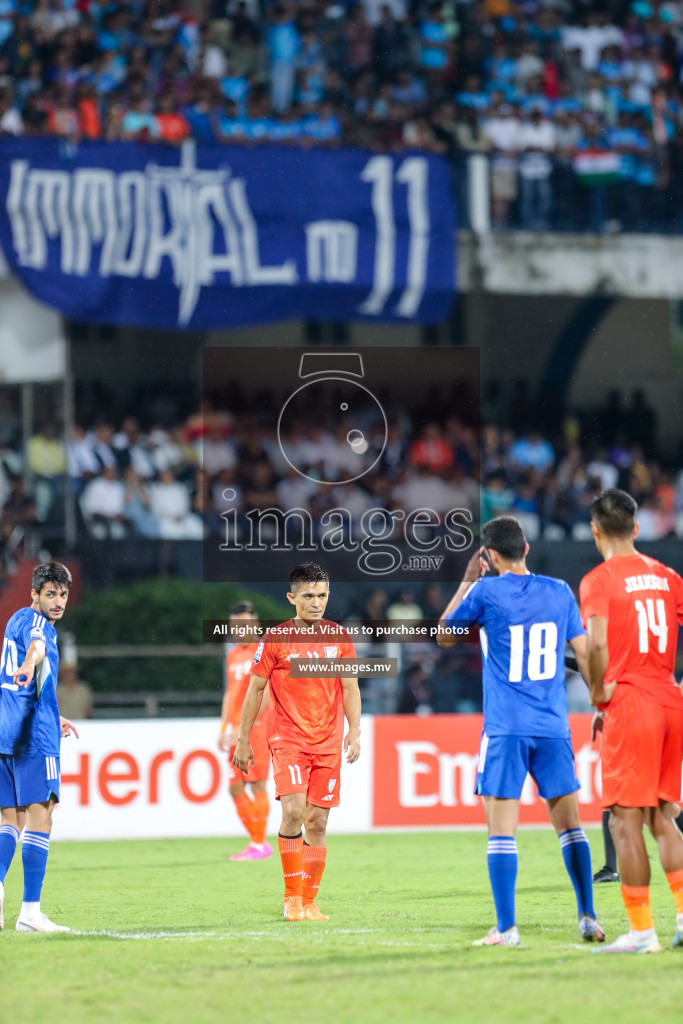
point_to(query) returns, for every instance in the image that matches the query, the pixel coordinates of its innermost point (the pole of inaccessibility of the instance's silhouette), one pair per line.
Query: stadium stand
(169, 482)
(577, 105)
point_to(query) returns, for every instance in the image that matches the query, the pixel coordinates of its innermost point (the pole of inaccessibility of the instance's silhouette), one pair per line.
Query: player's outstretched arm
(476, 568)
(244, 755)
(34, 655)
(598, 658)
(352, 709)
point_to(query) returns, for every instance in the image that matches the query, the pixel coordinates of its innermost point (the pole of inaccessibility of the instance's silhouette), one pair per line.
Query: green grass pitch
(188, 936)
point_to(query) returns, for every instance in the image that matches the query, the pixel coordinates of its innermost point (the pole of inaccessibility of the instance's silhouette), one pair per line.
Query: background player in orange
(253, 812)
(632, 606)
(305, 731)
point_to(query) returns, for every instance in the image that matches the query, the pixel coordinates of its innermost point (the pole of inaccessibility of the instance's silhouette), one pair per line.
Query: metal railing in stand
(379, 694)
(157, 703)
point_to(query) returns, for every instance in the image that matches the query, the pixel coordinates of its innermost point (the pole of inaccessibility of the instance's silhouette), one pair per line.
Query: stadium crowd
(178, 481)
(560, 94)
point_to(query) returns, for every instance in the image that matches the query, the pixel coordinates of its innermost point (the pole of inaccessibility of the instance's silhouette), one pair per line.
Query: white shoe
(630, 943)
(496, 938)
(2, 900)
(40, 923)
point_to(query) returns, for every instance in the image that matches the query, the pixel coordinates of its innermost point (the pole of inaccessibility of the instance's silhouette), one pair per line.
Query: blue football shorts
(28, 779)
(505, 760)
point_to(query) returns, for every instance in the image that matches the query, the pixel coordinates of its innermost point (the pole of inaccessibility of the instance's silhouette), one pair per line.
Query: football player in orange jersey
(305, 733)
(252, 811)
(632, 606)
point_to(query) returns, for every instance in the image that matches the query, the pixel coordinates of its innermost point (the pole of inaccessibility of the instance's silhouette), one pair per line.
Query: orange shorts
(316, 775)
(259, 770)
(642, 751)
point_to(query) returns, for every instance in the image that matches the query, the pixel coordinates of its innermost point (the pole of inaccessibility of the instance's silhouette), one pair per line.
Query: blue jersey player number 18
(524, 622)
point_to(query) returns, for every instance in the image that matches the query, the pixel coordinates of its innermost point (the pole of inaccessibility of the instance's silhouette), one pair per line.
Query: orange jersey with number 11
(307, 714)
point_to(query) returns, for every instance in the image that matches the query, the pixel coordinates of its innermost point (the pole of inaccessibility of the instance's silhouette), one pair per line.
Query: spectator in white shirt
(591, 39)
(537, 142)
(599, 467)
(373, 10)
(210, 56)
(318, 447)
(172, 451)
(353, 499)
(170, 504)
(503, 130)
(103, 505)
(131, 448)
(642, 74)
(217, 453)
(81, 463)
(10, 118)
(295, 490)
(63, 17)
(529, 64)
(422, 489)
(101, 441)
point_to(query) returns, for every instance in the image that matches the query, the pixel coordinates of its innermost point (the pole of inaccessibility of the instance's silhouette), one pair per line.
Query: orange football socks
(675, 880)
(313, 866)
(260, 807)
(244, 810)
(292, 863)
(638, 910)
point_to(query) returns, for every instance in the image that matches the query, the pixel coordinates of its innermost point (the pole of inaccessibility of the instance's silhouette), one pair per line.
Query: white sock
(647, 933)
(30, 910)
(679, 922)
(259, 846)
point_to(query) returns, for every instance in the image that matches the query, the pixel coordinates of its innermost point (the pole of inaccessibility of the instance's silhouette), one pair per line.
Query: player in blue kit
(30, 734)
(524, 622)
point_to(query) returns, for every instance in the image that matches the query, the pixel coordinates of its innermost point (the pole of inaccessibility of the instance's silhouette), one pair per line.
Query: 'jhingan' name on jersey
(645, 582)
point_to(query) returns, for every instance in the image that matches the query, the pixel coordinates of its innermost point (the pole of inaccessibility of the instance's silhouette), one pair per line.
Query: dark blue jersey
(524, 622)
(29, 716)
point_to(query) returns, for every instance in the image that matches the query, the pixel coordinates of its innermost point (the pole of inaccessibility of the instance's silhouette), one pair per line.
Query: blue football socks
(502, 862)
(35, 848)
(577, 860)
(9, 837)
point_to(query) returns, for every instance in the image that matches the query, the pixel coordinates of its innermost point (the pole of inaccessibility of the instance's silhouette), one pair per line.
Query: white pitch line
(273, 934)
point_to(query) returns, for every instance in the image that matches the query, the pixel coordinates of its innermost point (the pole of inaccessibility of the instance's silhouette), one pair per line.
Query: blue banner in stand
(205, 237)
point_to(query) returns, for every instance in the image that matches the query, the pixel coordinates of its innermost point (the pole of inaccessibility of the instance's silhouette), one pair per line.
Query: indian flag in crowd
(597, 166)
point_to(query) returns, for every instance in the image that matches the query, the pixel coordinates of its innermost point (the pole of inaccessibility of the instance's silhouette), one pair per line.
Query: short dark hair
(307, 572)
(506, 536)
(50, 572)
(243, 608)
(614, 512)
